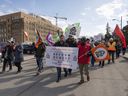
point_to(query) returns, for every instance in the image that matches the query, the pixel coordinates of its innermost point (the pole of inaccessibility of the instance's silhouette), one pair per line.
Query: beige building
(16, 24)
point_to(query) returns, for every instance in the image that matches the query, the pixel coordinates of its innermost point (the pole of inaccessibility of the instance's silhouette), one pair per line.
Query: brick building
(16, 24)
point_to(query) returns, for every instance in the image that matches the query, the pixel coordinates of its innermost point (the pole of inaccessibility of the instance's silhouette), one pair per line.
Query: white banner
(64, 57)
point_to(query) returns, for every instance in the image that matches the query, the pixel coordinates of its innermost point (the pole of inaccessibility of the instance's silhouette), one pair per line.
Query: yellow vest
(111, 47)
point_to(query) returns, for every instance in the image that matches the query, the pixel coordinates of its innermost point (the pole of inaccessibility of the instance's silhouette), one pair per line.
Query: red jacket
(83, 59)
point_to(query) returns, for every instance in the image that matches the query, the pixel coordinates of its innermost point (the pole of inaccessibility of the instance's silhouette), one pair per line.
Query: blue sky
(93, 15)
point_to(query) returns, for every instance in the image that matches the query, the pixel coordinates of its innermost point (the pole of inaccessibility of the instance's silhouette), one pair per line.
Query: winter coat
(71, 43)
(83, 57)
(8, 53)
(61, 44)
(18, 54)
(40, 51)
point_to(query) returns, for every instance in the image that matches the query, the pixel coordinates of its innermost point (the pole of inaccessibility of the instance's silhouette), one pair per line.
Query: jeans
(7, 61)
(92, 61)
(117, 53)
(70, 71)
(18, 65)
(123, 51)
(39, 61)
(101, 63)
(59, 72)
(111, 53)
(85, 68)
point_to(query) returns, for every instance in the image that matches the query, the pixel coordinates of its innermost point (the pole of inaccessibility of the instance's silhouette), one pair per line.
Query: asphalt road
(112, 80)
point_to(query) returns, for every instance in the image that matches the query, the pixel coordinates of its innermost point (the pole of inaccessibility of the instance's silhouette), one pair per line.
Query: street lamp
(119, 21)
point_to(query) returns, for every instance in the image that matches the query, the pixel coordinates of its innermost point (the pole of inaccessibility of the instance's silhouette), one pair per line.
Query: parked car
(2, 46)
(28, 48)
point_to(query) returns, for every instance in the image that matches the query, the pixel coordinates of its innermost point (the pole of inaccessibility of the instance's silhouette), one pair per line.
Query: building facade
(16, 25)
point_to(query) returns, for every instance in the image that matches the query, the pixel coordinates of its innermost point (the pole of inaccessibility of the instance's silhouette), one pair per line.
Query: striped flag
(39, 40)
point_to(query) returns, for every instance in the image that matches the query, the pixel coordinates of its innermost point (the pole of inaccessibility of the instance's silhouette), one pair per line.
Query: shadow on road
(41, 82)
(125, 60)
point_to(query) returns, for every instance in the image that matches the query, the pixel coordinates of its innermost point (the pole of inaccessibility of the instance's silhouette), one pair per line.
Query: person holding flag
(120, 34)
(39, 53)
(84, 59)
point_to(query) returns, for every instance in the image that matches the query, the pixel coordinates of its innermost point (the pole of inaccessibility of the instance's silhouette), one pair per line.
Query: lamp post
(119, 21)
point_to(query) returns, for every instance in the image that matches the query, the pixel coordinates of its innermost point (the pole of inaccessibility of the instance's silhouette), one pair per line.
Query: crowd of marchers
(13, 55)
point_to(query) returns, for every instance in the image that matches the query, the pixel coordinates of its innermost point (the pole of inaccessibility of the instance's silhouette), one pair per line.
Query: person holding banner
(84, 59)
(101, 62)
(71, 43)
(111, 49)
(61, 43)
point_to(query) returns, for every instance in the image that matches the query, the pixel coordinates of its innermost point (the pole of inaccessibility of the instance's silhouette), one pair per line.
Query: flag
(49, 39)
(55, 37)
(39, 40)
(120, 34)
(26, 34)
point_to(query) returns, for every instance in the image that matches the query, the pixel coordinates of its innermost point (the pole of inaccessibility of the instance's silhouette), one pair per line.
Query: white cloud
(2, 13)
(83, 13)
(101, 27)
(124, 13)
(108, 10)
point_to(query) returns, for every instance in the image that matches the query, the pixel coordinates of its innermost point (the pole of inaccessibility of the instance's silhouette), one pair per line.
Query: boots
(88, 78)
(81, 82)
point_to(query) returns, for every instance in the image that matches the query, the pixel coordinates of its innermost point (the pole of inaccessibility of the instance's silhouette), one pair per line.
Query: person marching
(101, 63)
(39, 54)
(8, 55)
(71, 43)
(111, 49)
(84, 59)
(18, 54)
(61, 43)
(118, 49)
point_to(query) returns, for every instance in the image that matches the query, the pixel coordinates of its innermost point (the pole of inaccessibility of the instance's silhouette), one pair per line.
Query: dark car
(28, 48)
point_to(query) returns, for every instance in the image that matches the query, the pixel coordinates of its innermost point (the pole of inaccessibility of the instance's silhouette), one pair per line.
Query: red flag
(39, 40)
(120, 34)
